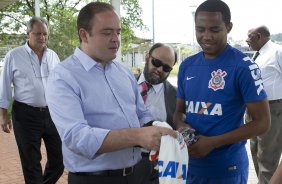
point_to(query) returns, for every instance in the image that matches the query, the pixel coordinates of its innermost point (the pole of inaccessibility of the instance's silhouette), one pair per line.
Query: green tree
(61, 15)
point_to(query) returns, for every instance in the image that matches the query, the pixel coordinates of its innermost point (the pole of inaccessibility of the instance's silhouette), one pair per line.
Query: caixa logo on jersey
(173, 169)
(205, 108)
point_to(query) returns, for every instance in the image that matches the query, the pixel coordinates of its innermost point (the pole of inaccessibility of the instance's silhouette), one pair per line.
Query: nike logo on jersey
(189, 78)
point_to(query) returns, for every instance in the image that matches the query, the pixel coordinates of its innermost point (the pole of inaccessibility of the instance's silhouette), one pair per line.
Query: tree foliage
(61, 16)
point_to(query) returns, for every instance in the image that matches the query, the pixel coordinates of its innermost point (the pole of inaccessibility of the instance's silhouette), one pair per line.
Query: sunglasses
(158, 63)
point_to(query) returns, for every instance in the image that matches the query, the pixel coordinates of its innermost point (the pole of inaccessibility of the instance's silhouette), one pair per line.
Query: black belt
(145, 154)
(118, 172)
(41, 109)
(275, 101)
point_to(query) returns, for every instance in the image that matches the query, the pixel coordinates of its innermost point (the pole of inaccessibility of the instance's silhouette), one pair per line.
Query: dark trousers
(266, 149)
(75, 179)
(30, 126)
(144, 172)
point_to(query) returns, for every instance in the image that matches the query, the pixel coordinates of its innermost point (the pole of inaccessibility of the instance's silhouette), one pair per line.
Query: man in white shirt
(159, 97)
(27, 67)
(266, 149)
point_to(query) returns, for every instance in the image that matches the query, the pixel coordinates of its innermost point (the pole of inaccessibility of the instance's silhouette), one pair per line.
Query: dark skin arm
(259, 111)
(178, 115)
(277, 176)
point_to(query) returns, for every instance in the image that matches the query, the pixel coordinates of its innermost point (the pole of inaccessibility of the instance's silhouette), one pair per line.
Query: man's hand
(151, 137)
(6, 124)
(202, 147)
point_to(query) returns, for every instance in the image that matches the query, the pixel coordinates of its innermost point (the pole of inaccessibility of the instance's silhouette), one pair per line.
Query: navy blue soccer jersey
(215, 92)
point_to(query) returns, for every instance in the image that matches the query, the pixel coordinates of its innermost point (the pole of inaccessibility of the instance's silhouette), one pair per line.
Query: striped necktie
(145, 88)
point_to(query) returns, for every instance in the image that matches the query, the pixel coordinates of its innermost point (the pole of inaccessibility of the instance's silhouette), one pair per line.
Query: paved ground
(10, 167)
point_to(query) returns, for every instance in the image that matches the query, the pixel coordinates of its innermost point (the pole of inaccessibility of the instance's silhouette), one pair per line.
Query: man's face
(253, 40)
(156, 75)
(38, 36)
(211, 33)
(102, 43)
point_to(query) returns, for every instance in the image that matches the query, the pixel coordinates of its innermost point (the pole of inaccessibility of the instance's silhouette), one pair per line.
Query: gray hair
(34, 20)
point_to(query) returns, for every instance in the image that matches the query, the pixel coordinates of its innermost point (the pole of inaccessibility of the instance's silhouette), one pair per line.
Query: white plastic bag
(172, 158)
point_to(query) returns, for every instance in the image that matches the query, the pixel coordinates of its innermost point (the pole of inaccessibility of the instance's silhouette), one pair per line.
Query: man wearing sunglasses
(160, 100)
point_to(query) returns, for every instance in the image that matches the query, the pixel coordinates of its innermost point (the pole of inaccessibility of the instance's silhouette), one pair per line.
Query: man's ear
(83, 35)
(229, 27)
(27, 34)
(259, 35)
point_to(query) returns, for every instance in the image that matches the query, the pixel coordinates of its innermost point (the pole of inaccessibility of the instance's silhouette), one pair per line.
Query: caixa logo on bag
(172, 169)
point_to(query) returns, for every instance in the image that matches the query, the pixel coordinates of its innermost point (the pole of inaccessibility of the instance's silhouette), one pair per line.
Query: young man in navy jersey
(214, 88)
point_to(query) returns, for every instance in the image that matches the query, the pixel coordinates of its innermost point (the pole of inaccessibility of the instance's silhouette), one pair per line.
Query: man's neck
(38, 52)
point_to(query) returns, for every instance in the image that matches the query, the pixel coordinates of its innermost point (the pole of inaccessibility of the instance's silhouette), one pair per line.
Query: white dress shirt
(155, 101)
(270, 63)
(23, 69)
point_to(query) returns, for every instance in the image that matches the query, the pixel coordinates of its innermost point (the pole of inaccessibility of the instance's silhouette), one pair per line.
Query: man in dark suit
(159, 97)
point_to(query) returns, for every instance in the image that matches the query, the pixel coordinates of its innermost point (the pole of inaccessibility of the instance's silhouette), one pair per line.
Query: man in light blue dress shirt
(96, 107)
(27, 67)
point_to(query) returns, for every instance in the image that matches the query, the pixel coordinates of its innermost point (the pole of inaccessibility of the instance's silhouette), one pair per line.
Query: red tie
(145, 88)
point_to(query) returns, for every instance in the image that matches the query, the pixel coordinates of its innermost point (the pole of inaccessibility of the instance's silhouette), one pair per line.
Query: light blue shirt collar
(86, 61)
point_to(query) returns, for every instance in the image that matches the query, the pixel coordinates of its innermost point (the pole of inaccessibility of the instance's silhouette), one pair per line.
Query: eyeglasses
(158, 63)
(38, 34)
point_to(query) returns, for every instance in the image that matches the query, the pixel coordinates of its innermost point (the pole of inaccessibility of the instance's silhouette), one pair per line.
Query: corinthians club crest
(217, 81)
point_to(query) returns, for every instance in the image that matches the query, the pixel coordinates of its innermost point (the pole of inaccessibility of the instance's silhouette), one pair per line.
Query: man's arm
(5, 121)
(87, 138)
(178, 117)
(260, 123)
(147, 137)
(6, 78)
(277, 176)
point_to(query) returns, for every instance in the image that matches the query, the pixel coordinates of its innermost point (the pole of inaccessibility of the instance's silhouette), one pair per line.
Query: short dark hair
(157, 45)
(34, 20)
(88, 12)
(215, 6)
